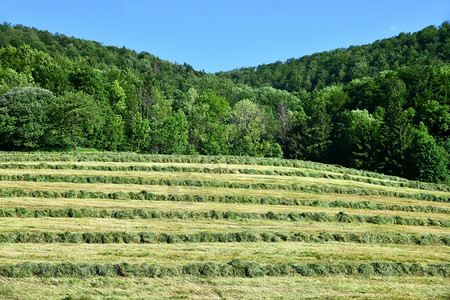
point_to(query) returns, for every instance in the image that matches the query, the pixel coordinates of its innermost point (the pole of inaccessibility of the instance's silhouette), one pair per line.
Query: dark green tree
(426, 161)
(396, 138)
(76, 117)
(24, 118)
(357, 140)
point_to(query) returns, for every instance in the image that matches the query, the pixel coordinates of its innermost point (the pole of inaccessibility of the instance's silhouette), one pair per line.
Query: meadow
(94, 225)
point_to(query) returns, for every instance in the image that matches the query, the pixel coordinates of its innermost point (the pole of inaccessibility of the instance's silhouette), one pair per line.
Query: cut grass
(117, 237)
(233, 268)
(319, 216)
(109, 204)
(191, 226)
(424, 245)
(61, 165)
(110, 188)
(394, 287)
(196, 159)
(204, 168)
(265, 253)
(232, 178)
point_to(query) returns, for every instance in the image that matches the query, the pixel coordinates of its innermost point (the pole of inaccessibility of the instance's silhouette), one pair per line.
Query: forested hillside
(382, 107)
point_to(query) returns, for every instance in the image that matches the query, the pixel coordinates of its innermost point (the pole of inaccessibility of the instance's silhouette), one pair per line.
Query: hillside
(381, 107)
(428, 46)
(126, 225)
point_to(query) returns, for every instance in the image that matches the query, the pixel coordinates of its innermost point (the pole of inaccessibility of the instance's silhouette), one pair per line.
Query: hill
(127, 225)
(428, 46)
(381, 107)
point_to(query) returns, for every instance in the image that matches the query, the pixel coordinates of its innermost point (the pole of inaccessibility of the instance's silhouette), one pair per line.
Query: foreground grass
(264, 253)
(191, 226)
(373, 287)
(327, 183)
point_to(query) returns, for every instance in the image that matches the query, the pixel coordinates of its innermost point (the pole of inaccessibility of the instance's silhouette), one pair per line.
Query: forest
(380, 107)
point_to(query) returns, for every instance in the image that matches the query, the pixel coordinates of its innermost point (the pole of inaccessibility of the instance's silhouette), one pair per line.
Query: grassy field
(122, 225)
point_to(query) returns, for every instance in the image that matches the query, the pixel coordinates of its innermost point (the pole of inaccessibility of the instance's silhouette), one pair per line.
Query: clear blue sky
(221, 35)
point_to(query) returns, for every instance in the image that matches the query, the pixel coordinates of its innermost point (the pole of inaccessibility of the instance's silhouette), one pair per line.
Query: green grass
(258, 252)
(192, 226)
(316, 216)
(138, 170)
(130, 237)
(238, 204)
(88, 225)
(192, 287)
(218, 181)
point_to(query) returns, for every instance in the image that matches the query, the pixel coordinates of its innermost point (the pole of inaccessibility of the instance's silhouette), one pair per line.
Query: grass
(236, 178)
(107, 204)
(191, 167)
(248, 186)
(396, 287)
(190, 226)
(316, 216)
(210, 191)
(181, 254)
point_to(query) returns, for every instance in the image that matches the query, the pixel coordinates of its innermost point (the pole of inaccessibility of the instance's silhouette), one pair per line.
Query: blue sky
(221, 35)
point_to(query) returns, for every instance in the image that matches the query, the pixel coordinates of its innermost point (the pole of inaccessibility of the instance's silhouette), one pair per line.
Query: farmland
(114, 225)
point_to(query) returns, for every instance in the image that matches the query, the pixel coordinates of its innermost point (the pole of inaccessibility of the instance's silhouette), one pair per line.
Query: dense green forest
(381, 107)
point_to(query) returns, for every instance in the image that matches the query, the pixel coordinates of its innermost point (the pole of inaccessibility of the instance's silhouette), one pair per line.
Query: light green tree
(248, 125)
(76, 117)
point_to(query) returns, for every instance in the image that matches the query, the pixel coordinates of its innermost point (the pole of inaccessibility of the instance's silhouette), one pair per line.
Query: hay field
(123, 225)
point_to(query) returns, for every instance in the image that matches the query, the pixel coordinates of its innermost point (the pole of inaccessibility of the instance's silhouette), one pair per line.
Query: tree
(76, 117)
(90, 81)
(426, 160)
(140, 133)
(208, 132)
(10, 79)
(158, 110)
(284, 116)
(39, 65)
(176, 133)
(24, 118)
(396, 138)
(297, 137)
(318, 133)
(112, 135)
(356, 141)
(248, 126)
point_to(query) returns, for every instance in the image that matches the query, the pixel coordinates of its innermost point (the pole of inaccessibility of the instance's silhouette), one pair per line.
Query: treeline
(380, 107)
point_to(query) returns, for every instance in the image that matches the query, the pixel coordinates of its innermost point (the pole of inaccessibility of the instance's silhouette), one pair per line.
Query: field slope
(124, 225)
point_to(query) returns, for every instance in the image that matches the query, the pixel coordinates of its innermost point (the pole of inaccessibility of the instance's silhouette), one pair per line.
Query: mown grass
(295, 287)
(264, 253)
(198, 247)
(145, 237)
(110, 190)
(316, 216)
(190, 226)
(216, 169)
(110, 204)
(204, 160)
(99, 176)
